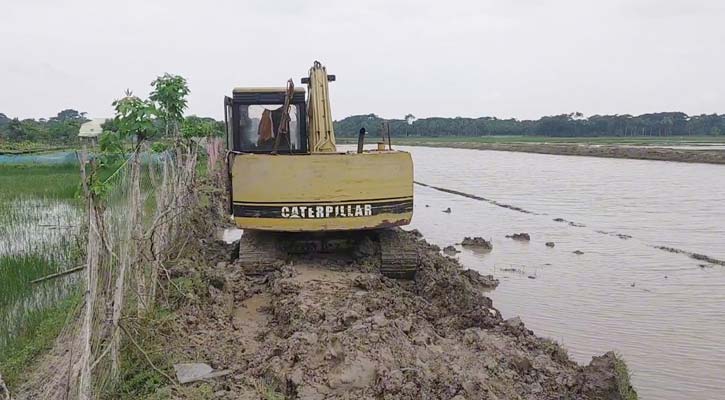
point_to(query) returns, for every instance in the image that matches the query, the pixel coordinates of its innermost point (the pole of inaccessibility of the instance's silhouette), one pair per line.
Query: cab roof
(265, 90)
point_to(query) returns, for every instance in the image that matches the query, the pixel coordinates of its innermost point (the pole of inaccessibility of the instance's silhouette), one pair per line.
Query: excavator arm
(320, 130)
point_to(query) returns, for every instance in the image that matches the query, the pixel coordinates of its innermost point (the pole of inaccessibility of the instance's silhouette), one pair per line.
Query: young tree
(135, 117)
(170, 93)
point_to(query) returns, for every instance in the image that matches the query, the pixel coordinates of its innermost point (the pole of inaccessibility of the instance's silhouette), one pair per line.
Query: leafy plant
(159, 147)
(170, 93)
(111, 145)
(194, 126)
(135, 117)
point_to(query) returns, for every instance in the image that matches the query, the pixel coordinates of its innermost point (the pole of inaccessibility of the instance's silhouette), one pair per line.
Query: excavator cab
(287, 174)
(253, 116)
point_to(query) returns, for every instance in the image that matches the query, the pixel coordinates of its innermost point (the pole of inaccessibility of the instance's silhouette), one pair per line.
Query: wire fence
(133, 228)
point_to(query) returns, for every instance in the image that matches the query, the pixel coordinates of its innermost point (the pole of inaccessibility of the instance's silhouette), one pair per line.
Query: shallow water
(664, 312)
(43, 230)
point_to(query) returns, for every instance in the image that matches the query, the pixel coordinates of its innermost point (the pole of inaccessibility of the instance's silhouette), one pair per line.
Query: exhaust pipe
(361, 140)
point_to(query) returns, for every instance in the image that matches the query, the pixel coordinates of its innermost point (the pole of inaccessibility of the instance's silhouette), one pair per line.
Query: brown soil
(450, 250)
(328, 328)
(477, 242)
(607, 151)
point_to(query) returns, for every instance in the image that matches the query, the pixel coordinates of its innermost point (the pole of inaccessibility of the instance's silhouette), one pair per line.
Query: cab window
(259, 126)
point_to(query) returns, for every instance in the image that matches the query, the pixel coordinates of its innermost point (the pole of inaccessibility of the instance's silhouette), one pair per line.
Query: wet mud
(522, 237)
(477, 242)
(570, 223)
(694, 256)
(334, 328)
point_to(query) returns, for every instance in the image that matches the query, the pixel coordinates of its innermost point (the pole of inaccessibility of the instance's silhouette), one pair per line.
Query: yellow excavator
(293, 190)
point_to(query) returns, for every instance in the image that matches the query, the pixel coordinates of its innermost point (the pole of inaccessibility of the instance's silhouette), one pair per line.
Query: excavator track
(264, 252)
(398, 254)
(259, 253)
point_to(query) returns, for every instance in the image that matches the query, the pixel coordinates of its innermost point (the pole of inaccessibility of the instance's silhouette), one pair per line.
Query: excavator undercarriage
(393, 251)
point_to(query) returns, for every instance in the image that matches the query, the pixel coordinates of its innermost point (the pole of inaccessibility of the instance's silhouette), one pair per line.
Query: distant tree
(16, 131)
(409, 119)
(110, 125)
(170, 93)
(69, 115)
(4, 120)
(194, 126)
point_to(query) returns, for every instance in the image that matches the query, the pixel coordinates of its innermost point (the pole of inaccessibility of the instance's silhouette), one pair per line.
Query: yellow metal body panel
(320, 130)
(322, 192)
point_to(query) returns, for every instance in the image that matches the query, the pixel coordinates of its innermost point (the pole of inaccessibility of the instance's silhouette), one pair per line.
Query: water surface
(664, 312)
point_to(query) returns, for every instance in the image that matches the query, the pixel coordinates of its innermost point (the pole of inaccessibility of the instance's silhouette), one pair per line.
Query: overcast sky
(504, 58)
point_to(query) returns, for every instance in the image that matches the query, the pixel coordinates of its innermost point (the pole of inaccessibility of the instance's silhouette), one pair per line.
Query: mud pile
(525, 237)
(477, 241)
(332, 327)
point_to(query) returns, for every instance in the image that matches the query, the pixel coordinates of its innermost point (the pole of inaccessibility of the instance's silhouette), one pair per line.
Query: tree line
(564, 125)
(60, 129)
(63, 128)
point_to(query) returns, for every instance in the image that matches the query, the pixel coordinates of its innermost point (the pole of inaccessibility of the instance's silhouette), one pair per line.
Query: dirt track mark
(695, 256)
(570, 223)
(474, 197)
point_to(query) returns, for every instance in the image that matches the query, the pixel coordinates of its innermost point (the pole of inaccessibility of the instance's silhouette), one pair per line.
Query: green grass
(626, 390)
(52, 181)
(630, 140)
(37, 238)
(138, 379)
(39, 216)
(17, 271)
(37, 337)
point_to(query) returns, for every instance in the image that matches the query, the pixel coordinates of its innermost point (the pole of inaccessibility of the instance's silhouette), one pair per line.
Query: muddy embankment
(333, 328)
(609, 151)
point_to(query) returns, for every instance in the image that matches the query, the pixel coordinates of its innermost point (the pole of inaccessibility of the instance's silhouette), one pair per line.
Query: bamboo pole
(59, 274)
(93, 249)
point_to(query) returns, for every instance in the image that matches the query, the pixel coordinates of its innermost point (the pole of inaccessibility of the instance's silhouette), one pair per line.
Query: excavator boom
(321, 131)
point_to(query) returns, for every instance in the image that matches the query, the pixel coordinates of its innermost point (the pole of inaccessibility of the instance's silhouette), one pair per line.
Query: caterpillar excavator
(293, 190)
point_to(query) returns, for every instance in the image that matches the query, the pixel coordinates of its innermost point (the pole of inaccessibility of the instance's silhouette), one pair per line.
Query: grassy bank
(35, 338)
(624, 380)
(602, 140)
(28, 147)
(693, 149)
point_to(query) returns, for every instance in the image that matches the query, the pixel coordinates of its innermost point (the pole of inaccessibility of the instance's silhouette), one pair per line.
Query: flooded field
(663, 311)
(39, 220)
